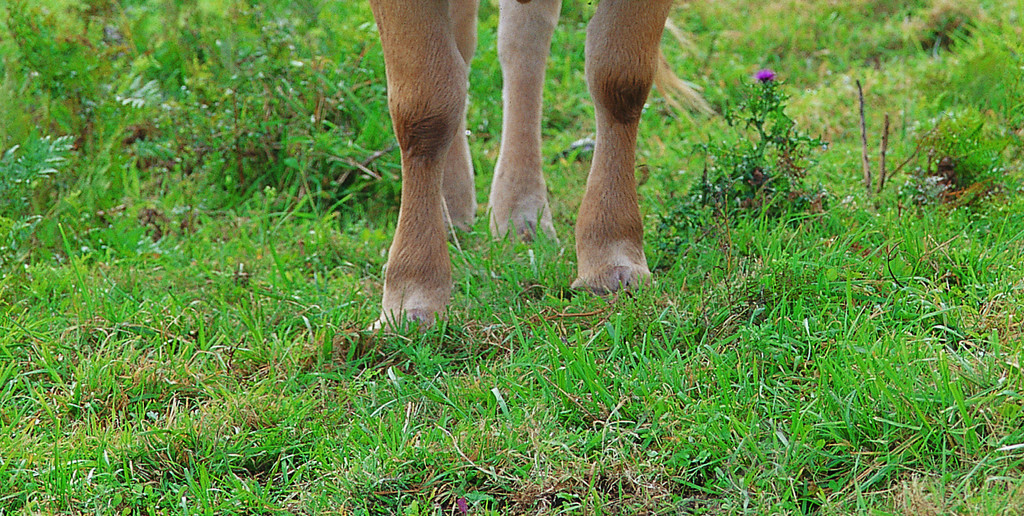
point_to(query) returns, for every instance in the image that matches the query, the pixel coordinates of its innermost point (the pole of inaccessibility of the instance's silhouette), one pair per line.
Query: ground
(196, 202)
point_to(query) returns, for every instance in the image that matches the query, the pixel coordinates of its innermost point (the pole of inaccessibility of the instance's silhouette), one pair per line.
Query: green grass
(183, 291)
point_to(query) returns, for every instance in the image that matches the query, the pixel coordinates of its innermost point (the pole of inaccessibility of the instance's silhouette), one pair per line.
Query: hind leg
(458, 185)
(519, 197)
(427, 99)
(621, 60)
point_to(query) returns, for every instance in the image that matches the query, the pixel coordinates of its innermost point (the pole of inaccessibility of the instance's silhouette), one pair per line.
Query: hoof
(404, 320)
(613, 279)
(525, 223)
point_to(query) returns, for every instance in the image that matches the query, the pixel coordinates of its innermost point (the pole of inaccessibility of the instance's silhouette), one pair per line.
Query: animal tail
(678, 93)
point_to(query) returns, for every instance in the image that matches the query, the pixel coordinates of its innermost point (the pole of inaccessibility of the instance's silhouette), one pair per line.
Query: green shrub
(259, 106)
(237, 99)
(63, 76)
(960, 161)
(23, 169)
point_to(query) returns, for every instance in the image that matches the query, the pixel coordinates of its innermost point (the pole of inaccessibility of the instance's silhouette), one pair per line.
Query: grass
(184, 289)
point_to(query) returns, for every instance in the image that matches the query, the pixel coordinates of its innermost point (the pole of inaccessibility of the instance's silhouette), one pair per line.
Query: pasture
(196, 199)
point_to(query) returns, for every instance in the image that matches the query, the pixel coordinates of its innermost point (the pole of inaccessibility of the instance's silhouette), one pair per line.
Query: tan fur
(458, 187)
(428, 45)
(621, 60)
(427, 83)
(519, 195)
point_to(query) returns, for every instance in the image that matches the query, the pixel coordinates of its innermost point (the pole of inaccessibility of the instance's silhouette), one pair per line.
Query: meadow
(196, 200)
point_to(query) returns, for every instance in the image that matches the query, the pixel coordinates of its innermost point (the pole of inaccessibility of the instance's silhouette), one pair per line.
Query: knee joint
(426, 127)
(621, 91)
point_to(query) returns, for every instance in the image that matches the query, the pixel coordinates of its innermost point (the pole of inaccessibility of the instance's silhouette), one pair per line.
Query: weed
(757, 170)
(761, 170)
(962, 162)
(23, 170)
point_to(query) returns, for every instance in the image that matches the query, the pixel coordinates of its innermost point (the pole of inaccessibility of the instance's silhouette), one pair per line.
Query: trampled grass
(183, 296)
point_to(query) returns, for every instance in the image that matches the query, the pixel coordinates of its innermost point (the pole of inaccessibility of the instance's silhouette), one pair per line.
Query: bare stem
(882, 152)
(864, 141)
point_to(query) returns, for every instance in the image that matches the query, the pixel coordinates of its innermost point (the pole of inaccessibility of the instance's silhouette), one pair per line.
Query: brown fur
(427, 47)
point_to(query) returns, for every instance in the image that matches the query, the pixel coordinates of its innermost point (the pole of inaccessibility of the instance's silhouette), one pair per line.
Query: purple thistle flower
(463, 506)
(765, 75)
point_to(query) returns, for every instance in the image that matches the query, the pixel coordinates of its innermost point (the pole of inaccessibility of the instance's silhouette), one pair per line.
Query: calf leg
(621, 60)
(518, 193)
(458, 186)
(427, 99)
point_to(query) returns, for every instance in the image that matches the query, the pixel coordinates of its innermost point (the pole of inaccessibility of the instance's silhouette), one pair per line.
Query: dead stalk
(864, 140)
(882, 152)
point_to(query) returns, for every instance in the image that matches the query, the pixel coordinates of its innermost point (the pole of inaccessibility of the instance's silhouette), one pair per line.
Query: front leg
(621, 60)
(426, 98)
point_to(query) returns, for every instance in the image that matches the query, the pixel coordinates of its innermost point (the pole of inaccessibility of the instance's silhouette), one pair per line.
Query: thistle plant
(757, 169)
(762, 165)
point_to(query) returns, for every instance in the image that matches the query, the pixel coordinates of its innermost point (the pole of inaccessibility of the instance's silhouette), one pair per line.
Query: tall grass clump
(280, 114)
(177, 112)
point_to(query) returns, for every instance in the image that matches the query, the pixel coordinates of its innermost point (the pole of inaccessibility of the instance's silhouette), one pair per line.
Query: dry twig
(884, 149)
(866, 162)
